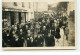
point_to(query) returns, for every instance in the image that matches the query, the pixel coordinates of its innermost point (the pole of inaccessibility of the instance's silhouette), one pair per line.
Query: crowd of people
(42, 32)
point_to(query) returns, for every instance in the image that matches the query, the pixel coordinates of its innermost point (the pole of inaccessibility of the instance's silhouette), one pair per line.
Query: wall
(11, 5)
(40, 6)
(71, 7)
(29, 12)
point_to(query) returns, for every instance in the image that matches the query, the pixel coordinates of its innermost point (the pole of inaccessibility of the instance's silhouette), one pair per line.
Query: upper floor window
(29, 5)
(15, 3)
(22, 4)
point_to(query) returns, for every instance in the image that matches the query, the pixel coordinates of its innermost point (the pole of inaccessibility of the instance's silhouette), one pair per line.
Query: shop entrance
(12, 16)
(20, 18)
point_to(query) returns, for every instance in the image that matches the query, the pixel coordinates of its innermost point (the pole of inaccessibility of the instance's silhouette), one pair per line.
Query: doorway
(20, 18)
(12, 16)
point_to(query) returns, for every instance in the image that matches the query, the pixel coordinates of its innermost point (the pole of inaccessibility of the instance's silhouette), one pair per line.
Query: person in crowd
(65, 18)
(53, 30)
(31, 42)
(18, 26)
(32, 29)
(4, 34)
(29, 24)
(25, 35)
(57, 33)
(43, 22)
(29, 31)
(42, 40)
(12, 28)
(26, 30)
(48, 24)
(35, 40)
(66, 32)
(45, 39)
(51, 22)
(55, 24)
(44, 31)
(62, 34)
(14, 39)
(60, 23)
(40, 27)
(14, 36)
(28, 38)
(64, 22)
(6, 38)
(16, 30)
(21, 38)
(39, 42)
(50, 40)
(48, 21)
(37, 27)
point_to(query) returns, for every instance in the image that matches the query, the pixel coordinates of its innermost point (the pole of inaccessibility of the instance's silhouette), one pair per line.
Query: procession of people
(36, 33)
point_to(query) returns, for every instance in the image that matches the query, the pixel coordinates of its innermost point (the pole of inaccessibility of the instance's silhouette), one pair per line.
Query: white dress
(61, 32)
(62, 37)
(60, 42)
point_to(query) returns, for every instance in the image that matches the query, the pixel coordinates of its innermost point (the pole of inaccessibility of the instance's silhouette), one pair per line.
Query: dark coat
(48, 27)
(51, 22)
(13, 42)
(6, 39)
(39, 41)
(57, 33)
(29, 43)
(57, 36)
(21, 39)
(57, 30)
(60, 24)
(50, 41)
(53, 31)
(35, 42)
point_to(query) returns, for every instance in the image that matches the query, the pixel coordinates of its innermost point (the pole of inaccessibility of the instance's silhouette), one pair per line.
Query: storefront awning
(15, 10)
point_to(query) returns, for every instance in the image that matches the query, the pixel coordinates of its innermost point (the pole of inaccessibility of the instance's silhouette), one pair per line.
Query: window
(22, 4)
(15, 3)
(29, 5)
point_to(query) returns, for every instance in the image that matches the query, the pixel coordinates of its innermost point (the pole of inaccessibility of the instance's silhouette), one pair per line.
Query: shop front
(12, 17)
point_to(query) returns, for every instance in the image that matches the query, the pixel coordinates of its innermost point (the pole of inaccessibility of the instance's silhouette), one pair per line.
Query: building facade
(20, 12)
(71, 9)
(16, 12)
(40, 6)
(39, 9)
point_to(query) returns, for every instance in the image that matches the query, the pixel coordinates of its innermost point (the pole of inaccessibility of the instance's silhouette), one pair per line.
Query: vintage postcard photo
(39, 25)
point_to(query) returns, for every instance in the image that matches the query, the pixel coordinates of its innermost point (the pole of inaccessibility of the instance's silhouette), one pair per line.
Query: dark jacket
(21, 39)
(50, 41)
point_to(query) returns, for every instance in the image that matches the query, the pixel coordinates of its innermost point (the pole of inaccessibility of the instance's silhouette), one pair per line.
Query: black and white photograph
(39, 25)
